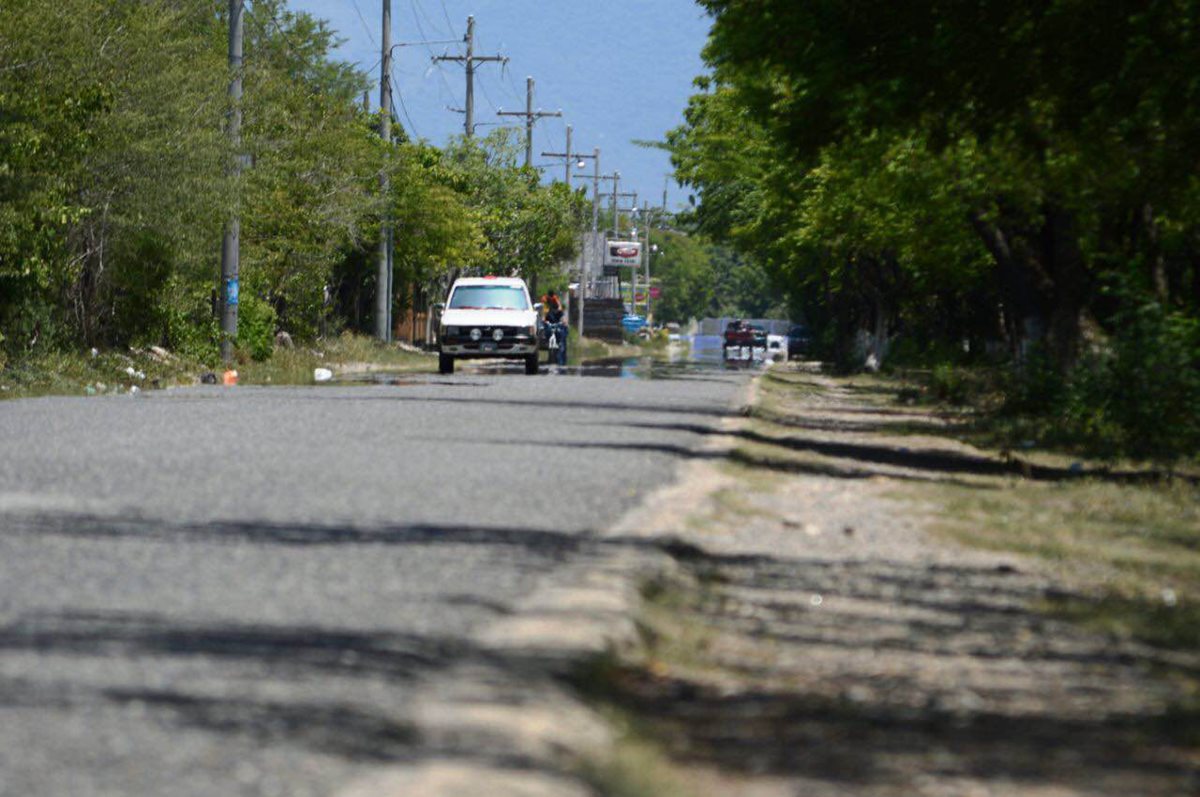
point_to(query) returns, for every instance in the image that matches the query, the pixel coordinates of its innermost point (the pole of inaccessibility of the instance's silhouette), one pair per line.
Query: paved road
(238, 592)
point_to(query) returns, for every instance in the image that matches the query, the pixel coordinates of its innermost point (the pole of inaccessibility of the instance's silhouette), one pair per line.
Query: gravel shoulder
(820, 636)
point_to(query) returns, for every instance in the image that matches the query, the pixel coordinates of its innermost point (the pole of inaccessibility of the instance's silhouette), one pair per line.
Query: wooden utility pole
(383, 276)
(469, 61)
(646, 221)
(531, 116)
(230, 245)
(569, 158)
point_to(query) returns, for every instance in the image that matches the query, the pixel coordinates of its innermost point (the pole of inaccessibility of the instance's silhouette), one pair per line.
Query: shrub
(1141, 397)
(948, 384)
(256, 327)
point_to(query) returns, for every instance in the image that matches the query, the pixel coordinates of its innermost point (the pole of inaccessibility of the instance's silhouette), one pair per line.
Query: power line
(420, 8)
(449, 92)
(366, 27)
(404, 108)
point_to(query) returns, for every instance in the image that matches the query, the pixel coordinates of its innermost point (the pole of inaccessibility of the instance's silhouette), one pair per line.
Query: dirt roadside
(821, 637)
(789, 618)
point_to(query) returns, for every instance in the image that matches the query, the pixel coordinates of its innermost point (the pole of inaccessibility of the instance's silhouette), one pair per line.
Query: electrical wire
(446, 14)
(403, 108)
(363, 20)
(449, 92)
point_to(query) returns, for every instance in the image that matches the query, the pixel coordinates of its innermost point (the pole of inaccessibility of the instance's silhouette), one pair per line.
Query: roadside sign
(623, 253)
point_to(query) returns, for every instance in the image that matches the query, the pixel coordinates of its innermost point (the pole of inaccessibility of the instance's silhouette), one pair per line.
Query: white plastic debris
(322, 374)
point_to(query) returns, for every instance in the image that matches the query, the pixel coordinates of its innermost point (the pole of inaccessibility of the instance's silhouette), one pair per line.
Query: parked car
(738, 335)
(799, 341)
(488, 318)
(777, 347)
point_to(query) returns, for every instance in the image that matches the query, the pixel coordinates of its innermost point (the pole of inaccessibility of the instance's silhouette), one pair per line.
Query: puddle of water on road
(688, 358)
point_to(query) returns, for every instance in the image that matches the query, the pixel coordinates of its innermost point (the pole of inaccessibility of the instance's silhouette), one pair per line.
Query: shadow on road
(873, 730)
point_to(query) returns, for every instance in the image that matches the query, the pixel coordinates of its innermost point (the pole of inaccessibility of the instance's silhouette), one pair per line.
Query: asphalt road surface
(224, 592)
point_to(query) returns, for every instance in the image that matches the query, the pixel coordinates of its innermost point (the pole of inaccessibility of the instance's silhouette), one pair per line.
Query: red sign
(655, 292)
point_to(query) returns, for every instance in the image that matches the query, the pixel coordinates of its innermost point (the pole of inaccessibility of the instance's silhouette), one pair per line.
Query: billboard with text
(623, 253)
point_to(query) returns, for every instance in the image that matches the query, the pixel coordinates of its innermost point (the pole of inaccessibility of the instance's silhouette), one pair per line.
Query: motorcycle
(556, 342)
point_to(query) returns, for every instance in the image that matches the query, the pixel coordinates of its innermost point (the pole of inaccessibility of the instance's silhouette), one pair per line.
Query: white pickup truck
(488, 318)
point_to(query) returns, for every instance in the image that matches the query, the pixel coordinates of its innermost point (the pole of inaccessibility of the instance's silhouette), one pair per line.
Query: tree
(1055, 139)
(529, 229)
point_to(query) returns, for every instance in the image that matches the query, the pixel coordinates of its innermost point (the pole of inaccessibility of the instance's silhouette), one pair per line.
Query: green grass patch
(72, 373)
(82, 373)
(587, 349)
(636, 765)
(347, 353)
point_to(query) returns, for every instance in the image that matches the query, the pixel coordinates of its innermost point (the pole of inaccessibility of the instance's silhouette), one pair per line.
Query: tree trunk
(1021, 286)
(1069, 276)
(1154, 255)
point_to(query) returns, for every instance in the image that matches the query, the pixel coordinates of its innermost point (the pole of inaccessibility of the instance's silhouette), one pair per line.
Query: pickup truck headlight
(476, 334)
(449, 331)
(531, 331)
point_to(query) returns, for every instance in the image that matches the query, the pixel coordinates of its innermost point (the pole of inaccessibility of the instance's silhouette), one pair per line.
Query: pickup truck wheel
(445, 364)
(531, 364)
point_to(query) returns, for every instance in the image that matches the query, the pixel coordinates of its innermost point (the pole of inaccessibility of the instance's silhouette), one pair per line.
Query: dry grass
(342, 355)
(1134, 550)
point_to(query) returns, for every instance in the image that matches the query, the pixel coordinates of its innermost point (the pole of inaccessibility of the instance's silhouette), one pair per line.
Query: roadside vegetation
(968, 189)
(69, 373)
(115, 186)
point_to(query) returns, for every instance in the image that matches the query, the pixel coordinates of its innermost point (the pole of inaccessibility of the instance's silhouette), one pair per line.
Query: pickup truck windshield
(488, 297)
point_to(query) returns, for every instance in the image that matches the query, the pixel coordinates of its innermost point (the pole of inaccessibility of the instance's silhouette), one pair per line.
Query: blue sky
(618, 69)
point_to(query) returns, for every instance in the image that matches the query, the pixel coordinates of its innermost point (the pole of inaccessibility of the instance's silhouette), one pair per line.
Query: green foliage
(1139, 397)
(684, 270)
(256, 327)
(948, 384)
(116, 181)
(968, 171)
(527, 229)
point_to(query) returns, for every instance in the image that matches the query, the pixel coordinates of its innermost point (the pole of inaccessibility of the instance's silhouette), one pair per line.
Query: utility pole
(633, 209)
(633, 272)
(569, 158)
(616, 219)
(469, 61)
(383, 284)
(230, 244)
(531, 116)
(646, 221)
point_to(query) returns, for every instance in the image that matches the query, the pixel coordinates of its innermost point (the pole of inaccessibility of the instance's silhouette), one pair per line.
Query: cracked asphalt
(216, 591)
